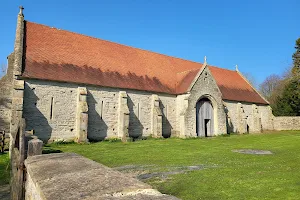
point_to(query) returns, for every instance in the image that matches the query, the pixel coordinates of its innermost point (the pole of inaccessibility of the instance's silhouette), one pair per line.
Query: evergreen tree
(296, 60)
(288, 104)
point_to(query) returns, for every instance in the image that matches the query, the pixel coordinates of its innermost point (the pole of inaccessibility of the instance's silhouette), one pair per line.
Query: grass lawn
(4, 169)
(227, 175)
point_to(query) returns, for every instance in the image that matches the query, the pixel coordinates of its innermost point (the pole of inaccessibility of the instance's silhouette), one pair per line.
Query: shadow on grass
(48, 150)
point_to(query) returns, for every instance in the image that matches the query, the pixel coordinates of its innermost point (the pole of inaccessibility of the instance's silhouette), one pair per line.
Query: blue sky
(258, 35)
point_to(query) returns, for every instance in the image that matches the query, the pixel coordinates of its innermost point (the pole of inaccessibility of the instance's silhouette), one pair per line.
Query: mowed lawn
(226, 175)
(4, 168)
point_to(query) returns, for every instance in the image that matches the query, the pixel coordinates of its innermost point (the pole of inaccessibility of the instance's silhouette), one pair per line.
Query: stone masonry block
(81, 115)
(18, 84)
(35, 147)
(156, 117)
(123, 116)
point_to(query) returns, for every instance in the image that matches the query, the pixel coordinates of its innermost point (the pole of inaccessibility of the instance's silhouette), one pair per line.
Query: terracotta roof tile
(234, 87)
(185, 79)
(58, 55)
(84, 59)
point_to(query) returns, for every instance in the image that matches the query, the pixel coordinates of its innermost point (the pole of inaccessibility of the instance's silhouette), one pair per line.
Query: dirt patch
(252, 151)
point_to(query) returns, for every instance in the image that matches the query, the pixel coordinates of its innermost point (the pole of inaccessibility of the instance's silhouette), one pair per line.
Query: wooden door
(204, 118)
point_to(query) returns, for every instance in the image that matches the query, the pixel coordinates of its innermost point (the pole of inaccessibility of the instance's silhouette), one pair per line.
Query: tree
(268, 87)
(3, 68)
(288, 104)
(288, 101)
(296, 60)
(283, 92)
(250, 78)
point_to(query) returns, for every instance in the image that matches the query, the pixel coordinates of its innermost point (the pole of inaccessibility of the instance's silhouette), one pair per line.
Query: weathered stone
(287, 123)
(253, 151)
(182, 106)
(5, 97)
(256, 120)
(103, 111)
(156, 117)
(18, 49)
(35, 147)
(123, 116)
(70, 176)
(205, 87)
(18, 84)
(81, 116)
(241, 119)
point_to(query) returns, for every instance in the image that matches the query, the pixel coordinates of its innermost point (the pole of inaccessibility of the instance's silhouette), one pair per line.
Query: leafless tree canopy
(250, 78)
(3, 68)
(269, 86)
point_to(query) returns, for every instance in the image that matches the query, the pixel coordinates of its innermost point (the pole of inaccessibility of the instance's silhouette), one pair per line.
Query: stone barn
(69, 86)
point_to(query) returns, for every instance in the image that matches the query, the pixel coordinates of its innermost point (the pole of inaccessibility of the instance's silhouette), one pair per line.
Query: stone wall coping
(71, 176)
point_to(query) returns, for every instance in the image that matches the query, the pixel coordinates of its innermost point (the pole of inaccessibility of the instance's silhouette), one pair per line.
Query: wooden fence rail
(2, 141)
(17, 151)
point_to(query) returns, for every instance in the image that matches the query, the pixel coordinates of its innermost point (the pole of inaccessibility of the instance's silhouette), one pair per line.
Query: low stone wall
(286, 123)
(71, 176)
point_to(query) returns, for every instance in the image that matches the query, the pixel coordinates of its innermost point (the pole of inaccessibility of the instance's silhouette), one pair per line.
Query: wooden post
(17, 162)
(2, 141)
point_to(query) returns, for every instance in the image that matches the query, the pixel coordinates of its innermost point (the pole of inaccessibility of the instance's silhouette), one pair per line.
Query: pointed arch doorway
(204, 118)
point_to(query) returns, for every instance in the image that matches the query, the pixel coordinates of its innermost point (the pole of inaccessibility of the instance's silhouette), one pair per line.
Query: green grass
(236, 176)
(4, 169)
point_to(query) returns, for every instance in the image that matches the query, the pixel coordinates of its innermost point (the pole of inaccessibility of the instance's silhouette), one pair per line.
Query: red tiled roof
(185, 79)
(234, 87)
(58, 55)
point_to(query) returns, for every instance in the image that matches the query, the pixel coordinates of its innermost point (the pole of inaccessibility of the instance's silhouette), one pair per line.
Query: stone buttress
(17, 84)
(81, 115)
(156, 117)
(123, 116)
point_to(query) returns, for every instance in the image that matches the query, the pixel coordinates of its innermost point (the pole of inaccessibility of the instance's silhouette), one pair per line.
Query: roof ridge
(221, 68)
(255, 90)
(114, 42)
(208, 66)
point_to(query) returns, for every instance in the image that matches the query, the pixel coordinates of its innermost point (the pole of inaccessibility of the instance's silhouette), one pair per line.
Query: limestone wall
(50, 110)
(287, 123)
(240, 115)
(204, 87)
(5, 96)
(70, 176)
(139, 104)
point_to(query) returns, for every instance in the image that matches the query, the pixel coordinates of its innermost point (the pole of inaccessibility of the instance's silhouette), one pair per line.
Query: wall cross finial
(205, 60)
(21, 10)
(236, 68)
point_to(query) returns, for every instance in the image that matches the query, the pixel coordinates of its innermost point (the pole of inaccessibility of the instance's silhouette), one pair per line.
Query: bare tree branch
(3, 68)
(268, 87)
(250, 78)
